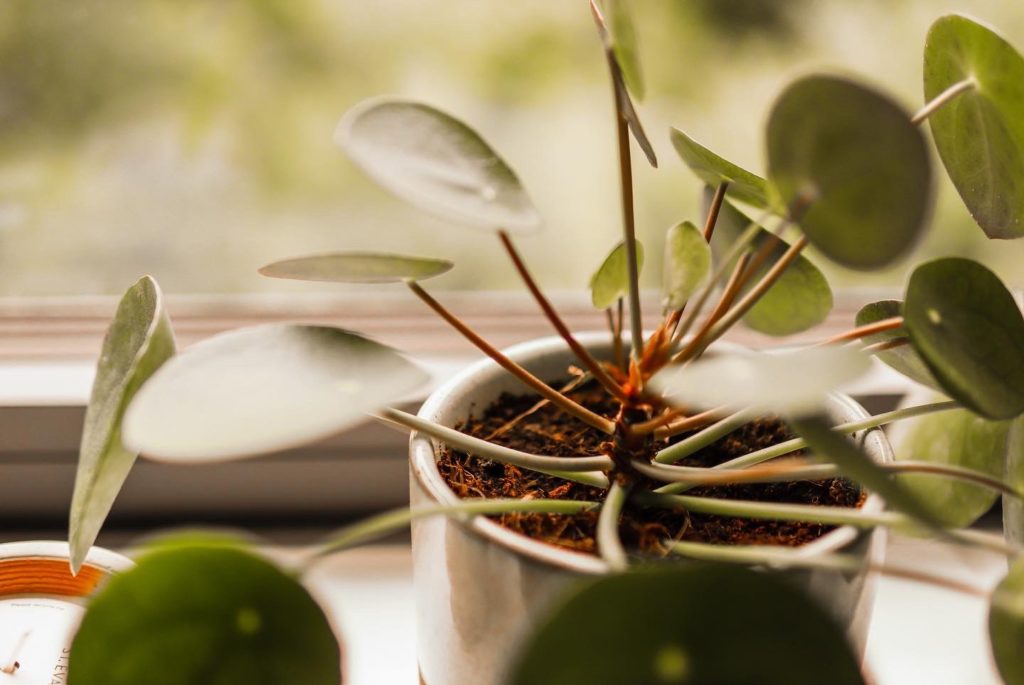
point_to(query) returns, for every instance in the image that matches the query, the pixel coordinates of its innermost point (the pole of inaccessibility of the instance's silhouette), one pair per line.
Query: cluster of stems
(639, 436)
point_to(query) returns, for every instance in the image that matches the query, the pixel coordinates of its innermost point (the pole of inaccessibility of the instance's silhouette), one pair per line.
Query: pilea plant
(848, 171)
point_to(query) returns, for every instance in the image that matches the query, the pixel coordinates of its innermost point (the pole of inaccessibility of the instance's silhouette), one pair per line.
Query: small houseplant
(848, 169)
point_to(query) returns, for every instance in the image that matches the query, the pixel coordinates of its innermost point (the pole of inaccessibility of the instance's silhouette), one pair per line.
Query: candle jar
(41, 606)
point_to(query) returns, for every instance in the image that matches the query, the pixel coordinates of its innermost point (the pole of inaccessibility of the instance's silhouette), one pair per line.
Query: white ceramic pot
(480, 587)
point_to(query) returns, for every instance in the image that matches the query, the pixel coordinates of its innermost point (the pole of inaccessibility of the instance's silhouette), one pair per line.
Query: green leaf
(687, 263)
(261, 389)
(966, 327)
(1013, 508)
(903, 358)
(687, 624)
(623, 37)
(1006, 624)
(138, 341)
(864, 167)
(801, 297)
(357, 267)
(619, 78)
(954, 438)
(204, 614)
(830, 446)
(980, 133)
(611, 280)
(792, 382)
(744, 186)
(436, 163)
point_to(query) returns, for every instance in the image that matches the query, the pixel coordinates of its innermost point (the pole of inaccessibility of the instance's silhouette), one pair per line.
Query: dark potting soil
(551, 431)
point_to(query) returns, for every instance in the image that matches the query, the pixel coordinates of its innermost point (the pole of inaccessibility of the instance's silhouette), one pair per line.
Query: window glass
(192, 139)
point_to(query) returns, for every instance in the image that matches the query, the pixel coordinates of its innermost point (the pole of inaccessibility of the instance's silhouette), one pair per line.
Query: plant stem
(883, 345)
(789, 557)
(549, 311)
(608, 542)
(569, 406)
(616, 339)
(832, 516)
(864, 331)
(729, 294)
(795, 444)
(629, 228)
(943, 98)
(955, 472)
(698, 345)
(571, 468)
(694, 422)
(774, 473)
(619, 321)
(697, 441)
(801, 469)
(714, 210)
(397, 519)
(661, 424)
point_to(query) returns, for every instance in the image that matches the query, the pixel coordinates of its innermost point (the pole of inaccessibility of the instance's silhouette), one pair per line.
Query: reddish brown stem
(713, 211)
(543, 389)
(864, 331)
(700, 343)
(885, 345)
(549, 311)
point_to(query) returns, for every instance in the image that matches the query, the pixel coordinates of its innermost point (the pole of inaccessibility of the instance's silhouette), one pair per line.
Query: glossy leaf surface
(801, 297)
(980, 133)
(357, 267)
(952, 438)
(436, 163)
(965, 325)
(687, 263)
(709, 167)
(261, 389)
(138, 341)
(666, 627)
(794, 382)
(853, 154)
(204, 614)
(903, 358)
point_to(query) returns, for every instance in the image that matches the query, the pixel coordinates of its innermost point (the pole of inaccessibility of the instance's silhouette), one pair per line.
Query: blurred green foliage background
(192, 139)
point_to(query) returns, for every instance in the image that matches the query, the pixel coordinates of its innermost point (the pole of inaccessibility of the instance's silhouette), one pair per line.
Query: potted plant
(848, 171)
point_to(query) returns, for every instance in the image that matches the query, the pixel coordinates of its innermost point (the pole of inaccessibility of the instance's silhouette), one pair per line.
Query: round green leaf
(953, 438)
(204, 614)
(801, 297)
(262, 389)
(865, 168)
(1013, 508)
(744, 186)
(903, 358)
(611, 280)
(980, 133)
(792, 382)
(1006, 624)
(436, 163)
(687, 263)
(138, 341)
(357, 267)
(623, 37)
(966, 327)
(689, 624)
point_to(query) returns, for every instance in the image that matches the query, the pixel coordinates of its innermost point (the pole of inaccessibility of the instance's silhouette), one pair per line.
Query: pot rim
(423, 464)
